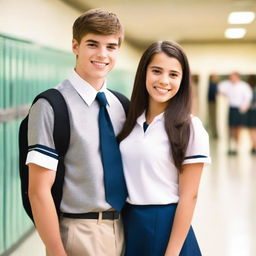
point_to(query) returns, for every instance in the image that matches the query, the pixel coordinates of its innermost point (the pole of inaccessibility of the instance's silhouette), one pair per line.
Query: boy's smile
(96, 56)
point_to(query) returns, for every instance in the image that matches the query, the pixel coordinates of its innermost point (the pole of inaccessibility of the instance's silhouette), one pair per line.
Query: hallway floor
(225, 216)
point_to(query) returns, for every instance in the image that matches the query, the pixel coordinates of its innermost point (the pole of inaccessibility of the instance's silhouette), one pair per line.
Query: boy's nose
(102, 52)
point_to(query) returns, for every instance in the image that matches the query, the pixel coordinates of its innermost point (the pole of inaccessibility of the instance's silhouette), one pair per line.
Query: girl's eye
(173, 75)
(156, 71)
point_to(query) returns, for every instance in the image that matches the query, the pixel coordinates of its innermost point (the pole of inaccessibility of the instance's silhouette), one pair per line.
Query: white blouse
(149, 170)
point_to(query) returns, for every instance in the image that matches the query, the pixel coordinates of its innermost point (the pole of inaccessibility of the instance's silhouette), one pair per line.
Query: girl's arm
(189, 181)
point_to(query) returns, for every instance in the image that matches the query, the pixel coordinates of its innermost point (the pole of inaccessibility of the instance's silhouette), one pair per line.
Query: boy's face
(96, 56)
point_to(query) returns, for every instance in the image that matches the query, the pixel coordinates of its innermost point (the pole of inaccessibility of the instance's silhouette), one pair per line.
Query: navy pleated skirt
(147, 231)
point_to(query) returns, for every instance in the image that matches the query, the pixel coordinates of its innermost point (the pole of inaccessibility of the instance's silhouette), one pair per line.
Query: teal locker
(2, 201)
(1, 149)
(8, 222)
(19, 89)
(13, 179)
(23, 84)
(7, 73)
(13, 72)
(33, 65)
(1, 72)
(25, 70)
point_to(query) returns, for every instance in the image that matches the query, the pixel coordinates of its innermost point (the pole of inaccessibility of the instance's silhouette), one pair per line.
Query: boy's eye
(112, 47)
(91, 45)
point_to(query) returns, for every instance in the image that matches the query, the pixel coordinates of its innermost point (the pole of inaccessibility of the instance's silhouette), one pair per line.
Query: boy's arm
(43, 208)
(188, 188)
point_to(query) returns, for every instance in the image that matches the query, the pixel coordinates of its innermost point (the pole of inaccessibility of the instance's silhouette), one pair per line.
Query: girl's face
(163, 78)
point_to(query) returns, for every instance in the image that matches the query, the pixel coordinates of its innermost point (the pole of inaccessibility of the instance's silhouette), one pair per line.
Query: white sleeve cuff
(43, 160)
(206, 160)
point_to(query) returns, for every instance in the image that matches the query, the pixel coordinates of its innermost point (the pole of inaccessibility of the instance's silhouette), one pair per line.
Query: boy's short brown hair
(97, 21)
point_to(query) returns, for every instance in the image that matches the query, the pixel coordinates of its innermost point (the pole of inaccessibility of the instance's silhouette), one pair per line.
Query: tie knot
(101, 98)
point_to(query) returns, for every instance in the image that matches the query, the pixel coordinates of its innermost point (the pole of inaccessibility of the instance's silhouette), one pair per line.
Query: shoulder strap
(61, 137)
(124, 100)
(61, 119)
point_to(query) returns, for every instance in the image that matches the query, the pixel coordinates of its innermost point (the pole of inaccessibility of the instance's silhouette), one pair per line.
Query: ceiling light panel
(241, 17)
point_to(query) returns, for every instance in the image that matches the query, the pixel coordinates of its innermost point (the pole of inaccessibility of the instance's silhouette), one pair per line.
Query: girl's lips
(162, 90)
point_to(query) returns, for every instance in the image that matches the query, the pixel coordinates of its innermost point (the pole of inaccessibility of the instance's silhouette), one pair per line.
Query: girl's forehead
(163, 60)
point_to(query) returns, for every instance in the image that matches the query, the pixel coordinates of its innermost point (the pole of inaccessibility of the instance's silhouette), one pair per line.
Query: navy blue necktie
(114, 182)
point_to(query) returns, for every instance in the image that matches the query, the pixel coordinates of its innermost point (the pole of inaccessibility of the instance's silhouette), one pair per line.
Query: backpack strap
(61, 137)
(61, 127)
(124, 100)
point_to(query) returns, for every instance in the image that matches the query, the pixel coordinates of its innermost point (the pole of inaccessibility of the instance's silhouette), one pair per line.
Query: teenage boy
(85, 228)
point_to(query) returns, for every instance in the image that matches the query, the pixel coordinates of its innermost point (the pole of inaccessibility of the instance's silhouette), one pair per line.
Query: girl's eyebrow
(157, 67)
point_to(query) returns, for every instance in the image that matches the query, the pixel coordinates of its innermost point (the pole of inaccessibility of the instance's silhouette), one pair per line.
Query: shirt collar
(142, 118)
(84, 89)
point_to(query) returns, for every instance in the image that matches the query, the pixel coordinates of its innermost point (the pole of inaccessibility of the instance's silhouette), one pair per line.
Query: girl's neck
(153, 111)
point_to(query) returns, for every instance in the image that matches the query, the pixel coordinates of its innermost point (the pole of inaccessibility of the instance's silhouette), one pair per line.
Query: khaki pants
(90, 237)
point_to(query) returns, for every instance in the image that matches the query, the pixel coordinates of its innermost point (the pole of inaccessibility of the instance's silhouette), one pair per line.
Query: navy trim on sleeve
(44, 150)
(195, 156)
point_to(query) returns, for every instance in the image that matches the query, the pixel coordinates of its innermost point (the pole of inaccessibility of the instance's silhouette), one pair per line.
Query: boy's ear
(75, 46)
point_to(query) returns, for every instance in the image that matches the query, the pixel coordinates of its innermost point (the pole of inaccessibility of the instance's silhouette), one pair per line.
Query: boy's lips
(99, 64)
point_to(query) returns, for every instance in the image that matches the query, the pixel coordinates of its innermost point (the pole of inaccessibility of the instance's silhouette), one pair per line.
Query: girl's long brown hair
(177, 114)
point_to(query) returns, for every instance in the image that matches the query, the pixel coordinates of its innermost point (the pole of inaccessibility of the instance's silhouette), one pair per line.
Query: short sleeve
(41, 150)
(248, 93)
(223, 87)
(198, 146)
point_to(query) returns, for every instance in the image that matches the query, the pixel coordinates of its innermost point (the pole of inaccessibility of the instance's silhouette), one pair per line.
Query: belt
(107, 215)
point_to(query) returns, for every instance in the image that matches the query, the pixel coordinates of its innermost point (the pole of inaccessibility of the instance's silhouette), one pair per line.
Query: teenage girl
(163, 150)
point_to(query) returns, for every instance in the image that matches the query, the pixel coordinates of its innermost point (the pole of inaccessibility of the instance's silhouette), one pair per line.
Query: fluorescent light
(241, 17)
(235, 32)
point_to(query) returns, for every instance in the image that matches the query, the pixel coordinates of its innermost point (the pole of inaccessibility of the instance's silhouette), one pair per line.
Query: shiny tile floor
(225, 216)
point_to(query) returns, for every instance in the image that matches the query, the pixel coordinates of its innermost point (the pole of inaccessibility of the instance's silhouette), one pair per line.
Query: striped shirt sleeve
(41, 149)
(198, 146)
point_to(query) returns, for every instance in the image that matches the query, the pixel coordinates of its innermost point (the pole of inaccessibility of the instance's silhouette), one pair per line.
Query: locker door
(1, 147)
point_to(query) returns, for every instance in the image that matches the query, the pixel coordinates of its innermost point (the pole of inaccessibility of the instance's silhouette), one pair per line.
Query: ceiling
(184, 21)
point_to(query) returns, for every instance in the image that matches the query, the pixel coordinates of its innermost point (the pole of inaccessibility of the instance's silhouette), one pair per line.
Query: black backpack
(61, 137)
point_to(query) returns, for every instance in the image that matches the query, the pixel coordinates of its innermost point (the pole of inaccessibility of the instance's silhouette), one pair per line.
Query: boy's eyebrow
(97, 42)
(92, 41)
(113, 44)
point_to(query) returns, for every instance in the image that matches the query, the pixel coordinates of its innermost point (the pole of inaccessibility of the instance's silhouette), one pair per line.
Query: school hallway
(36, 54)
(224, 220)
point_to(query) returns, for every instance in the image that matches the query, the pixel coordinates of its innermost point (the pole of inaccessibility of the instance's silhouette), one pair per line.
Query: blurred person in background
(194, 91)
(252, 114)
(212, 105)
(239, 96)
(164, 172)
